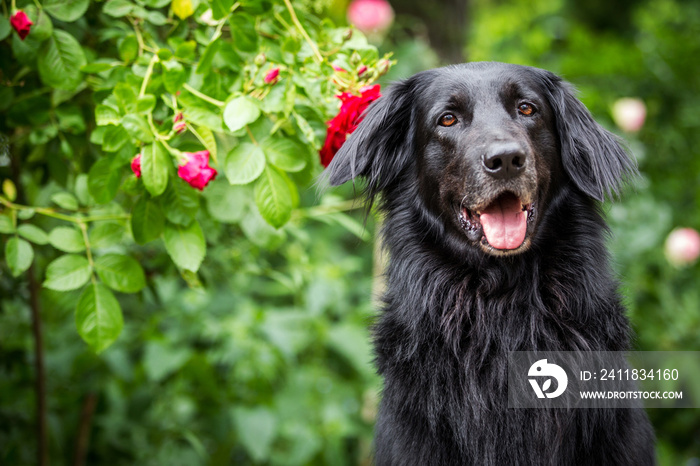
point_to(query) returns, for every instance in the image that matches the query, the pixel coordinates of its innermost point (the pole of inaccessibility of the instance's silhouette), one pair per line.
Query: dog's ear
(594, 158)
(380, 147)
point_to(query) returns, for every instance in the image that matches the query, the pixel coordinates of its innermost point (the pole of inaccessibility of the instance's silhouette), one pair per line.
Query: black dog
(489, 175)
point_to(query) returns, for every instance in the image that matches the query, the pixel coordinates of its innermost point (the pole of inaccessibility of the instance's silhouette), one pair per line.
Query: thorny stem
(68, 218)
(204, 97)
(88, 251)
(303, 32)
(149, 72)
(250, 134)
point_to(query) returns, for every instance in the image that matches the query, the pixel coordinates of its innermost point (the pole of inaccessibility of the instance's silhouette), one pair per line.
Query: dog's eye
(526, 109)
(448, 120)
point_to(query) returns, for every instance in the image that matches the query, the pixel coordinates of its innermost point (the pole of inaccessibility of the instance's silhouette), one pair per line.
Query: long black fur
(452, 311)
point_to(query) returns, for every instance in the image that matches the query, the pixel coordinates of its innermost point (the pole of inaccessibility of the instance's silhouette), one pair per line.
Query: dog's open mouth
(502, 224)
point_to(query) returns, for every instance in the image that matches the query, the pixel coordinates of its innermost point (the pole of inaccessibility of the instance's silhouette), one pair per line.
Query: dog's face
(487, 145)
(488, 155)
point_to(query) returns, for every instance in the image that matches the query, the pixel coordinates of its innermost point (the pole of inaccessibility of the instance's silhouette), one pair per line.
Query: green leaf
(68, 272)
(105, 115)
(273, 197)
(65, 200)
(207, 57)
(126, 97)
(156, 18)
(67, 239)
(98, 67)
(114, 139)
(180, 202)
(220, 8)
(137, 127)
(285, 153)
(208, 140)
(117, 8)
(226, 203)
(173, 75)
(81, 189)
(145, 103)
(120, 273)
(147, 221)
(33, 233)
(161, 359)
(240, 112)
(128, 48)
(244, 163)
(5, 27)
(66, 10)
(185, 245)
(43, 27)
(19, 255)
(103, 180)
(98, 317)
(59, 61)
(245, 35)
(204, 117)
(256, 428)
(154, 168)
(106, 234)
(6, 225)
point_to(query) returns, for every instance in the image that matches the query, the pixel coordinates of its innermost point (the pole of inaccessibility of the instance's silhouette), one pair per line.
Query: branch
(83, 439)
(42, 450)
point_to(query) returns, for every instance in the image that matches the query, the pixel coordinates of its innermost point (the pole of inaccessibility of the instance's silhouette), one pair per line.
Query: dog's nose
(504, 160)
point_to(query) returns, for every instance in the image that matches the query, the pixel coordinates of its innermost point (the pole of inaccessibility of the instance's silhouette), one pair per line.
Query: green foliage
(155, 90)
(204, 314)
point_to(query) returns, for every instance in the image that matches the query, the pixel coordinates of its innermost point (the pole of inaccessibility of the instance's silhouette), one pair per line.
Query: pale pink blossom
(682, 246)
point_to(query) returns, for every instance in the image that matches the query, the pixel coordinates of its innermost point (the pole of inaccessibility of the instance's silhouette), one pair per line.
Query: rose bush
(174, 92)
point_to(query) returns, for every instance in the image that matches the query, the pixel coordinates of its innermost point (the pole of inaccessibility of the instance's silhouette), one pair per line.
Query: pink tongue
(504, 223)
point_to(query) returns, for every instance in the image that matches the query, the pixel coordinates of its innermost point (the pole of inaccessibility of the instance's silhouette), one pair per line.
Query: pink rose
(629, 114)
(21, 23)
(371, 15)
(136, 165)
(682, 246)
(196, 171)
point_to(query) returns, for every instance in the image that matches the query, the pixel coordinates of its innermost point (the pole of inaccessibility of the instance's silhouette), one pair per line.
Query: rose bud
(260, 59)
(682, 246)
(272, 76)
(21, 23)
(361, 70)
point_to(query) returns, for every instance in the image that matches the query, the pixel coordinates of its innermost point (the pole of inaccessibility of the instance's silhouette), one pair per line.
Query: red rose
(196, 171)
(136, 166)
(347, 119)
(21, 23)
(272, 76)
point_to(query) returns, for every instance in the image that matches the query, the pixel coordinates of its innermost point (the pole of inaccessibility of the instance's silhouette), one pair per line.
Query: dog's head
(486, 145)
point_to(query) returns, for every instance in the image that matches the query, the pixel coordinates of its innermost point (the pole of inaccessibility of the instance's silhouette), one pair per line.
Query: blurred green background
(269, 362)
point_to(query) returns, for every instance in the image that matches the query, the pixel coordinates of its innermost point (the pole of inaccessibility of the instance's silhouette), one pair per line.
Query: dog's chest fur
(443, 338)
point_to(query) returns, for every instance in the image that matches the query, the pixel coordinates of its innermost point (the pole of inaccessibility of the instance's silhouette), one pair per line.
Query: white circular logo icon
(545, 372)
